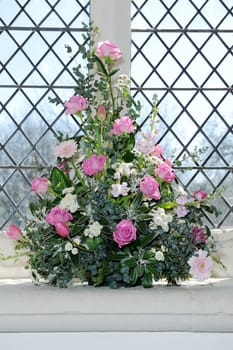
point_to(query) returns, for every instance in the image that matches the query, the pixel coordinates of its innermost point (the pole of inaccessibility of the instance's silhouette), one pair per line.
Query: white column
(113, 18)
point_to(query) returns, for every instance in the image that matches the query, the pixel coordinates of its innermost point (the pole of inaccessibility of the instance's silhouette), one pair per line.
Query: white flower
(120, 189)
(74, 251)
(77, 240)
(122, 169)
(159, 256)
(68, 190)
(69, 202)
(94, 230)
(160, 218)
(68, 247)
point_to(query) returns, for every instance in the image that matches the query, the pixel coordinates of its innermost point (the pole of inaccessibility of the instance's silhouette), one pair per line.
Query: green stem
(111, 93)
(78, 174)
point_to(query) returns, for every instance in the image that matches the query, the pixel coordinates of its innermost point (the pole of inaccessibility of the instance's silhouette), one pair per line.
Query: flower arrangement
(111, 210)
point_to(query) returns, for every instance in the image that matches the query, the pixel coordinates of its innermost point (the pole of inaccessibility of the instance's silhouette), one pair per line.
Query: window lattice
(182, 51)
(34, 66)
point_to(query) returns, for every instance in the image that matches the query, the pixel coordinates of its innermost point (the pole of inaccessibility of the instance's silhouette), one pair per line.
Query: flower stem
(77, 173)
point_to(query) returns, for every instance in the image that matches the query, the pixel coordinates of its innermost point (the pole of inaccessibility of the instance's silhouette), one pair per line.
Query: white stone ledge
(188, 308)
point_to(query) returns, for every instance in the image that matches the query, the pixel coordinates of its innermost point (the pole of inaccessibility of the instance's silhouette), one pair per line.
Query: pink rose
(125, 232)
(165, 172)
(58, 215)
(122, 125)
(66, 149)
(198, 234)
(150, 187)
(199, 195)
(62, 229)
(101, 113)
(14, 232)
(94, 164)
(107, 49)
(75, 104)
(40, 185)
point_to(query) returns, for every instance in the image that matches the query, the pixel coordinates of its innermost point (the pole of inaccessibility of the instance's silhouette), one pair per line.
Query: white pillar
(113, 18)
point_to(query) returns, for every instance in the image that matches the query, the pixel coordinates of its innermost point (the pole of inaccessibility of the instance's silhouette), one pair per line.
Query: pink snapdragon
(150, 187)
(40, 185)
(125, 233)
(108, 50)
(14, 232)
(122, 125)
(157, 151)
(75, 104)
(145, 146)
(181, 211)
(58, 215)
(94, 164)
(182, 200)
(200, 195)
(201, 265)
(164, 171)
(66, 149)
(198, 234)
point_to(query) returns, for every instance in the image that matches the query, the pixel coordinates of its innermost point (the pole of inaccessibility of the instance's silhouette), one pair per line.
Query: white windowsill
(205, 307)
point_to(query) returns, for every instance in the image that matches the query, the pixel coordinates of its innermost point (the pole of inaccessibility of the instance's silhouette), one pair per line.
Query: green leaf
(114, 71)
(128, 157)
(137, 200)
(144, 217)
(168, 205)
(140, 270)
(130, 262)
(133, 276)
(152, 269)
(59, 181)
(147, 280)
(77, 229)
(142, 226)
(92, 243)
(100, 66)
(143, 242)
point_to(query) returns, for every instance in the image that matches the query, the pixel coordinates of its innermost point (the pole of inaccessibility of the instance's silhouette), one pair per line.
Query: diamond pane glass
(184, 51)
(35, 66)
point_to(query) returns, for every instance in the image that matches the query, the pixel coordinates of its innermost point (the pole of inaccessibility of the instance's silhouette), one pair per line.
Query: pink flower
(94, 164)
(107, 49)
(62, 229)
(66, 149)
(198, 234)
(101, 113)
(14, 232)
(145, 146)
(157, 151)
(150, 187)
(165, 171)
(58, 215)
(199, 195)
(40, 184)
(181, 211)
(200, 265)
(182, 200)
(122, 125)
(75, 104)
(125, 232)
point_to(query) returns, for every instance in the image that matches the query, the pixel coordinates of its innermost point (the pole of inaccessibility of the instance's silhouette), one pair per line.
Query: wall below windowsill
(192, 307)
